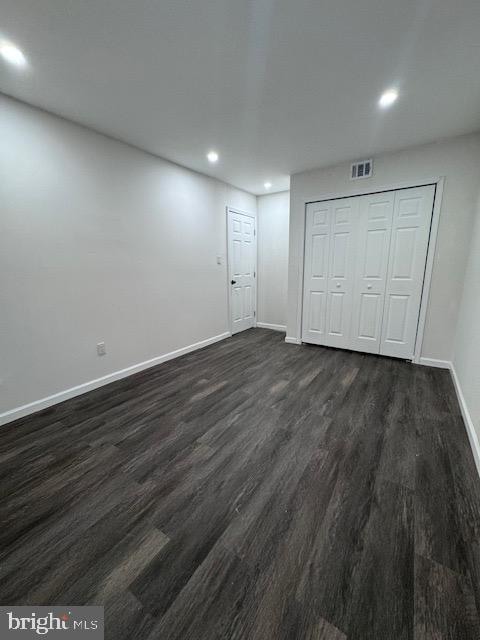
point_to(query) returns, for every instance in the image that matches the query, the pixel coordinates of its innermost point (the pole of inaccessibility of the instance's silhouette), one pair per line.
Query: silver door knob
(338, 285)
(369, 286)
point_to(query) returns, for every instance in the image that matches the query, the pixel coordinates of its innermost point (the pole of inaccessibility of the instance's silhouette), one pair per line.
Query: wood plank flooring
(253, 490)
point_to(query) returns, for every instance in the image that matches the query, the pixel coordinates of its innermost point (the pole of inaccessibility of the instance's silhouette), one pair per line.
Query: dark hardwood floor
(250, 490)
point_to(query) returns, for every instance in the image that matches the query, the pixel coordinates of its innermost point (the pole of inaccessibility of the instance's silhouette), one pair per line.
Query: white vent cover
(361, 169)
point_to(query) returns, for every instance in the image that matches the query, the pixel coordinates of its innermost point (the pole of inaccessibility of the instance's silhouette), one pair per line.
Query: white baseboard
(433, 362)
(467, 418)
(274, 327)
(43, 403)
(291, 340)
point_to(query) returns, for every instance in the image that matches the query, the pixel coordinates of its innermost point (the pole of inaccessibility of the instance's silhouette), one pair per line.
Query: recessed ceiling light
(388, 98)
(212, 156)
(12, 54)
(267, 185)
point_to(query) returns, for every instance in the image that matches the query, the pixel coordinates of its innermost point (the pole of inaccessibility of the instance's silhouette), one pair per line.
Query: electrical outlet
(101, 351)
(219, 259)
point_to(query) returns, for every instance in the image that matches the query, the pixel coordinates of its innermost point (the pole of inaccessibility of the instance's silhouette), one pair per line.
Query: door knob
(369, 286)
(338, 285)
(233, 282)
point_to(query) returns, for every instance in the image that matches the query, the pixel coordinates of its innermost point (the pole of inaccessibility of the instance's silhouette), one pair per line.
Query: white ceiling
(276, 86)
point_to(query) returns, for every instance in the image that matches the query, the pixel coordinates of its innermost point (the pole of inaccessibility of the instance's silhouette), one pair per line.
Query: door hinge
(254, 314)
(254, 274)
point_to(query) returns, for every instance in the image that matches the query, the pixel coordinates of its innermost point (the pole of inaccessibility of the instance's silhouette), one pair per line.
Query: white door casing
(407, 259)
(242, 268)
(373, 244)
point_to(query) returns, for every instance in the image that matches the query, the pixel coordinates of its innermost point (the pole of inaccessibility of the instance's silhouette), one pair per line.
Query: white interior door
(373, 244)
(315, 281)
(343, 221)
(242, 268)
(408, 253)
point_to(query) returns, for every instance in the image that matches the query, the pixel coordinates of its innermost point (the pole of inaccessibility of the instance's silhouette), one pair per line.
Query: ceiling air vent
(362, 169)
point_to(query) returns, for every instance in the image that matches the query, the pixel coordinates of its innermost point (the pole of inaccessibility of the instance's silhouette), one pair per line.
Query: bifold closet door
(364, 268)
(373, 244)
(329, 271)
(341, 271)
(315, 280)
(412, 215)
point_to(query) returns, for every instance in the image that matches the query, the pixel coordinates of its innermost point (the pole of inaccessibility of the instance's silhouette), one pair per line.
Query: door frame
(438, 183)
(229, 210)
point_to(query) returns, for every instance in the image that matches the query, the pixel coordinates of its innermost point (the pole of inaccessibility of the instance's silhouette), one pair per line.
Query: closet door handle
(369, 286)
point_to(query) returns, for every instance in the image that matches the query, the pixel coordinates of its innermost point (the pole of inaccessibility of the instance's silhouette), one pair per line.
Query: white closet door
(344, 217)
(408, 251)
(317, 245)
(373, 243)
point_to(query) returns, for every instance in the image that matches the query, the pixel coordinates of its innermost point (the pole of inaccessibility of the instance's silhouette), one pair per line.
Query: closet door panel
(317, 251)
(408, 254)
(344, 215)
(373, 241)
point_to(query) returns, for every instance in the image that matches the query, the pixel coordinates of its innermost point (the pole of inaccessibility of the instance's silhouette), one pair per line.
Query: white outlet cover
(101, 351)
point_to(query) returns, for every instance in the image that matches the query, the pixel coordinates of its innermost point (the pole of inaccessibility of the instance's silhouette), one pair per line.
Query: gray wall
(466, 358)
(273, 216)
(100, 241)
